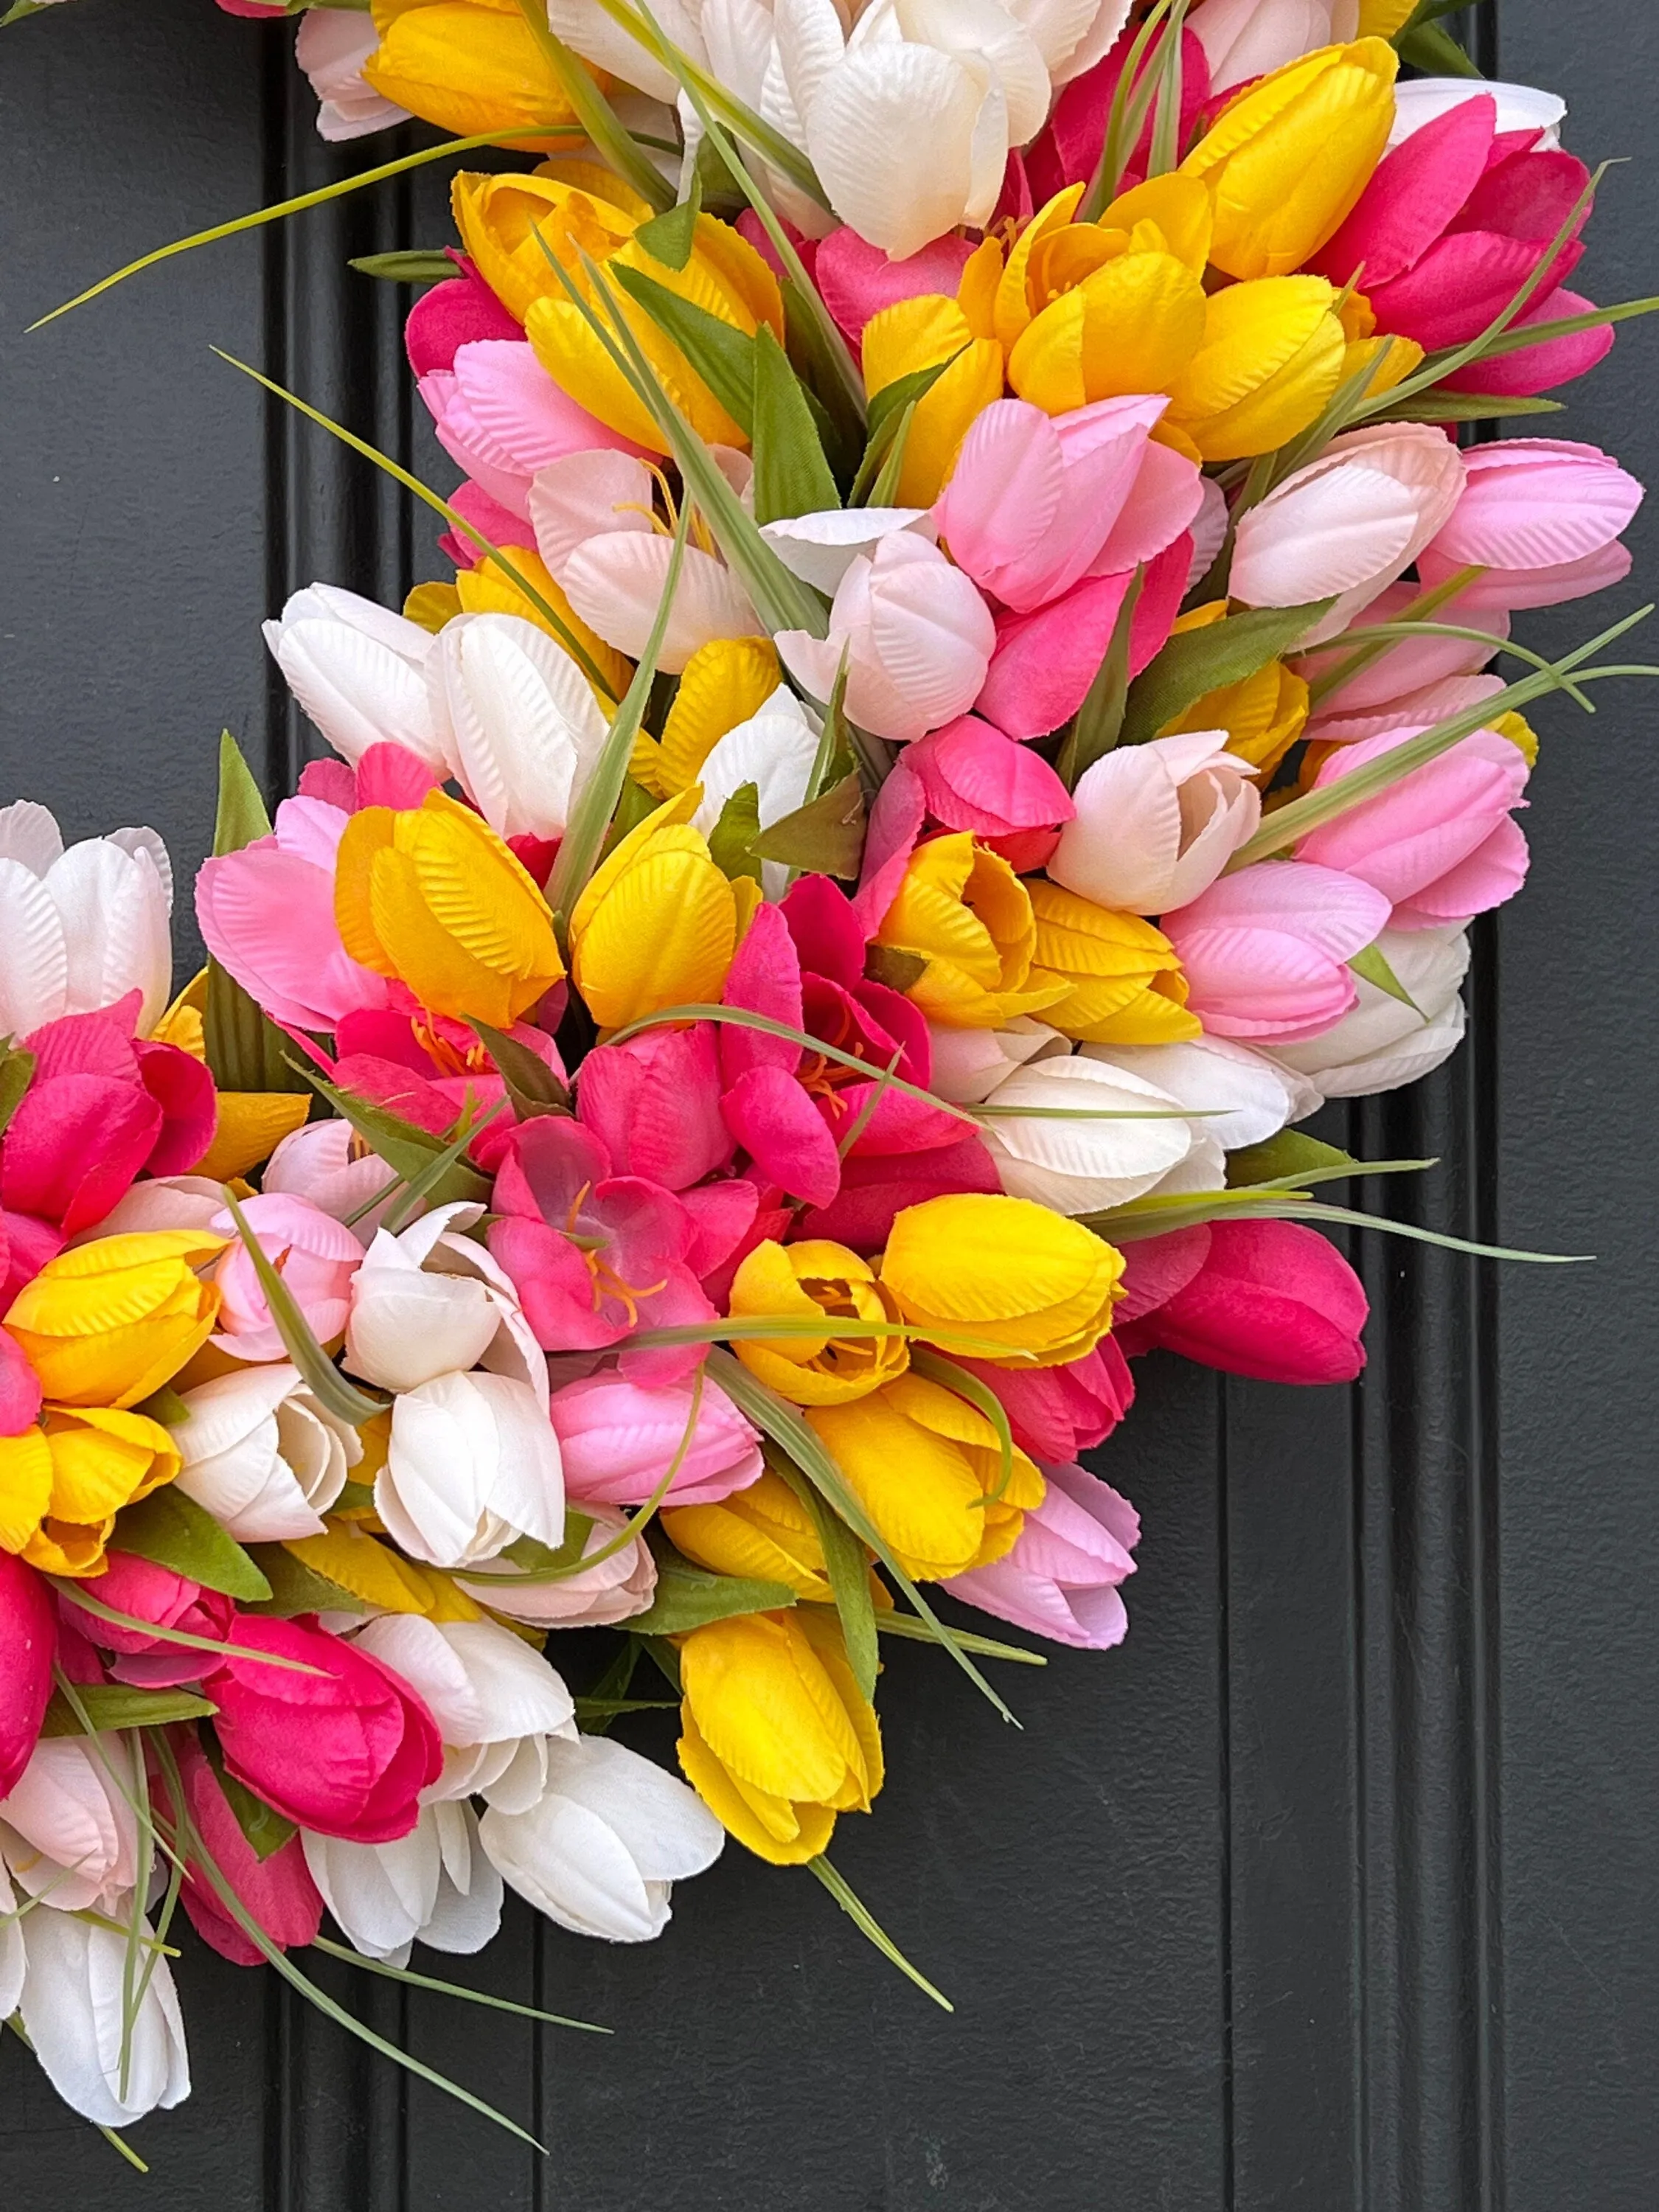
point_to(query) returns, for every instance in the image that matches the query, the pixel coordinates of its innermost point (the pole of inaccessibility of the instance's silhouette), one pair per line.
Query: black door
(1333, 1889)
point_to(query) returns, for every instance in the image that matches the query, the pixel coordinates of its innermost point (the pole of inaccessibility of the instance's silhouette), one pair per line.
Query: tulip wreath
(963, 714)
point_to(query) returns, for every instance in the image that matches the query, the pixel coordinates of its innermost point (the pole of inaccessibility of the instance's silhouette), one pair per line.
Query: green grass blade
(414, 1981)
(867, 1925)
(594, 112)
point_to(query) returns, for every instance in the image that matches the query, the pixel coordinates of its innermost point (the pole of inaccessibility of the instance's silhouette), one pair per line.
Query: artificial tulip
(358, 670)
(969, 1064)
(472, 1465)
(1112, 978)
(956, 337)
(726, 682)
(165, 1600)
(1238, 1096)
(618, 1440)
(1261, 716)
(76, 2019)
(329, 1165)
(500, 416)
(1385, 1041)
(1271, 356)
(1273, 1300)
(1055, 1413)
(275, 1891)
(654, 1103)
(763, 1531)
(28, 1644)
(597, 1594)
(1156, 824)
(70, 1834)
(1542, 516)
(316, 1256)
(259, 1451)
(1003, 1272)
(80, 929)
(599, 1851)
(657, 923)
(468, 66)
(777, 1737)
(109, 1322)
(1265, 950)
(1045, 661)
(494, 1698)
(435, 1883)
(805, 1282)
(964, 913)
(521, 726)
(775, 752)
(1246, 38)
(331, 48)
(974, 777)
(1083, 1166)
(1060, 1578)
(431, 1302)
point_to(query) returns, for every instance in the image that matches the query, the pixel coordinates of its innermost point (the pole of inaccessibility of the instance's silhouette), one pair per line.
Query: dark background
(1333, 1889)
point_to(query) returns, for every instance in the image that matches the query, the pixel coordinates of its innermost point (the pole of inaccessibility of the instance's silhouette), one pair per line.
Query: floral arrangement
(963, 714)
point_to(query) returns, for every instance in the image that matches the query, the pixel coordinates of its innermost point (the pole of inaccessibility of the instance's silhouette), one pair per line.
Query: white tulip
(612, 1590)
(11, 1945)
(72, 2006)
(430, 1302)
(599, 1849)
(494, 1698)
(331, 48)
(774, 750)
(358, 670)
(434, 1884)
(519, 720)
(1243, 1097)
(1520, 107)
(80, 929)
(1079, 1166)
(473, 1464)
(969, 1064)
(593, 35)
(66, 1831)
(265, 1458)
(1157, 823)
(1383, 1044)
(592, 515)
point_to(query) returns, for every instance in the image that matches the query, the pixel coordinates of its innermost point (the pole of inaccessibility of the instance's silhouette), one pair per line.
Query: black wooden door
(1333, 1889)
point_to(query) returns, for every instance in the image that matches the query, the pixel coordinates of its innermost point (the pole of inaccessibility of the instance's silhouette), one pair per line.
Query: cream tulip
(473, 1464)
(66, 1830)
(1157, 823)
(264, 1457)
(430, 1301)
(358, 670)
(774, 750)
(80, 928)
(494, 1698)
(326, 1163)
(73, 2009)
(1384, 1043)
(521, 727)
(612, 1590)
(1079, 1166)
(434, 1885)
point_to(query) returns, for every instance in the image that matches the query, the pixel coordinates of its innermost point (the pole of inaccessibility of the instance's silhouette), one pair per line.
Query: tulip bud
(1265, 950)
(146, 1591)
(654, 1103)
(519, 719)
(764, 1531)
(61, 1487)
(68, 1808)
(599, 1850)
(473, 1464)
(777, 1737)
(81, 929)
(331, 48)
(657, 923)
(345, 1749)
(612, 1590)
(969, 1064)
(1262, 716)
(802, 1281)
(434, 1884)
(1156, 824)
(430, 1302)
(617, 1441)
(976, 1270)
(63, 1318)
(358, 671)
(110, 2064)
(500, 416)
(1115, 979)
(327, 1163)
(1273, 1300)
(1060, 1579)
(1055, 1413)
(1083, 1166)
(915, 634)
(1384, 1043)
(468, 68)
(1271, 355)
(963, 912)
(1543, 516)
(495, 1701)
(316, 1256)
(262, 1455)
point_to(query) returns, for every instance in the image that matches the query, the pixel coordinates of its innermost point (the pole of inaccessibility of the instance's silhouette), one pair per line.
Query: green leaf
(888, 408)
(865, 1921)
(848, 1567)
(892, 965)
(1440, 406)
(414, 1981)
(1156, 1217)
(819, 362)
(1198, 661)
(408, 1150)
(722, 355)
(1289, 1154)
(330, 1387)
(730, 839)
(165, 1405)
(174, 1531)
(669, 237)
(884, 490)
(826, 835)
(1558, 326)
(241, 817)
(119, 1706)
(690, 1597)
(413, 265)
(14, 14)
(1371, 966)
(296, 1587)
(532, 1085)
(16, 1073)
(792, 476)
(909, 1630)
(437, 1173)
(1099, 720)
(1435, 52)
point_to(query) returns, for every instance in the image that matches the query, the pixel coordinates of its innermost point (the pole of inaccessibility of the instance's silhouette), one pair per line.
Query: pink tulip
(346, 1749)
(1543, 516)
(1439, 844)
(267, 916)
(28, 1644)
(147, 1592)
(331, 48)
(857, 280)
(277, 1891)
(1452, 224)
(1418, 682)
(1068, 151)
(383, 775)
(654, 1104)
(316, 1257)
(618, 1441)
(500, 416)
(611, 1590)
(1273, 1300)
(1035, 502)
(1265, 950)
(1157, 823)
(974, 777)
(916, 635)
(1246, 39)
(20, 1389)
(460, 311)
(1043, 663)
(1061, 1580)
(322, 1163)
(1055, 1412)
(26, 1245)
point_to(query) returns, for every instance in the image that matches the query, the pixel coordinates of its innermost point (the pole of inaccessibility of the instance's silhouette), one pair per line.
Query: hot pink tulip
(1068, 151)
(875, 1189)
(1273, 1300)
(857, 280)
(147, 1592)
(654, 1104)
(1265, 950)
(20, 1389)
(460, 311)
(1055, 1412)
(1451, 225)
(1061, 1580)
(500, 416)
(277, 1891)
(430, 1069)
(618, 1441)
(499, 524)
(1543, 516)
(317, 1257)
(1044, 662)
(974, 777)
(1440, 844)
(345, 1750)
(28, 1642)
(1035, 502)
(384, 774)
(26, 1245)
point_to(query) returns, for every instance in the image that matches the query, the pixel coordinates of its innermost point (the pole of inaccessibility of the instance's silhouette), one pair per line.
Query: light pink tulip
(331, 48)
(80, 1830)
(1061, 1580)
(323, 1164)
(317, 1257)
(1265, 950)
(1157, 823)
(1440, 844)
(618, 1441)
(615, 1589)
(1037, 502)
(1350, 523)
(1543, 516)
(1418, 681)
(1246, 39)
(499, 416)
(916, 635)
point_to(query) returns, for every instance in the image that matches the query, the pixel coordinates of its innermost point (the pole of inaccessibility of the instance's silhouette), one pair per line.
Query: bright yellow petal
(723, 683)
(26, 1477)
(776, 1831)
(251, 1126)
(468, 68)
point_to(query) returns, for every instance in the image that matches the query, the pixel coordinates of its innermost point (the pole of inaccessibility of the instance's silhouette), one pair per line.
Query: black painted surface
(1332, 1889)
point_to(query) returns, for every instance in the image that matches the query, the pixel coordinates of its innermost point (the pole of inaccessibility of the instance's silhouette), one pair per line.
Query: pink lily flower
(1061, 1580)
(595, 1256)
(653, 1103)
(1451, 225)
(428, 1069)
(1035, 502)
(1543, 516)
(500, 416)
(1265, 950)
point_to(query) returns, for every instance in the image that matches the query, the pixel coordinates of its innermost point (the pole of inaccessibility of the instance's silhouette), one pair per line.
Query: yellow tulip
(966, 915)
(382, 1577)
(923, 333)
(250, 1124)
(1288, 158)
(927, 1467)
(802, 1281)
(1273, 352)
(1381, 19)
(489, 590)
(723, 683)
(1122, 982)
(468, 66)
(108, 1323)
(1004, 1272)
(430, 895)
(777, 1736)
(62, 1487)
(1263, 715)
(762, 1530)
(509, 224)
(658, 922)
